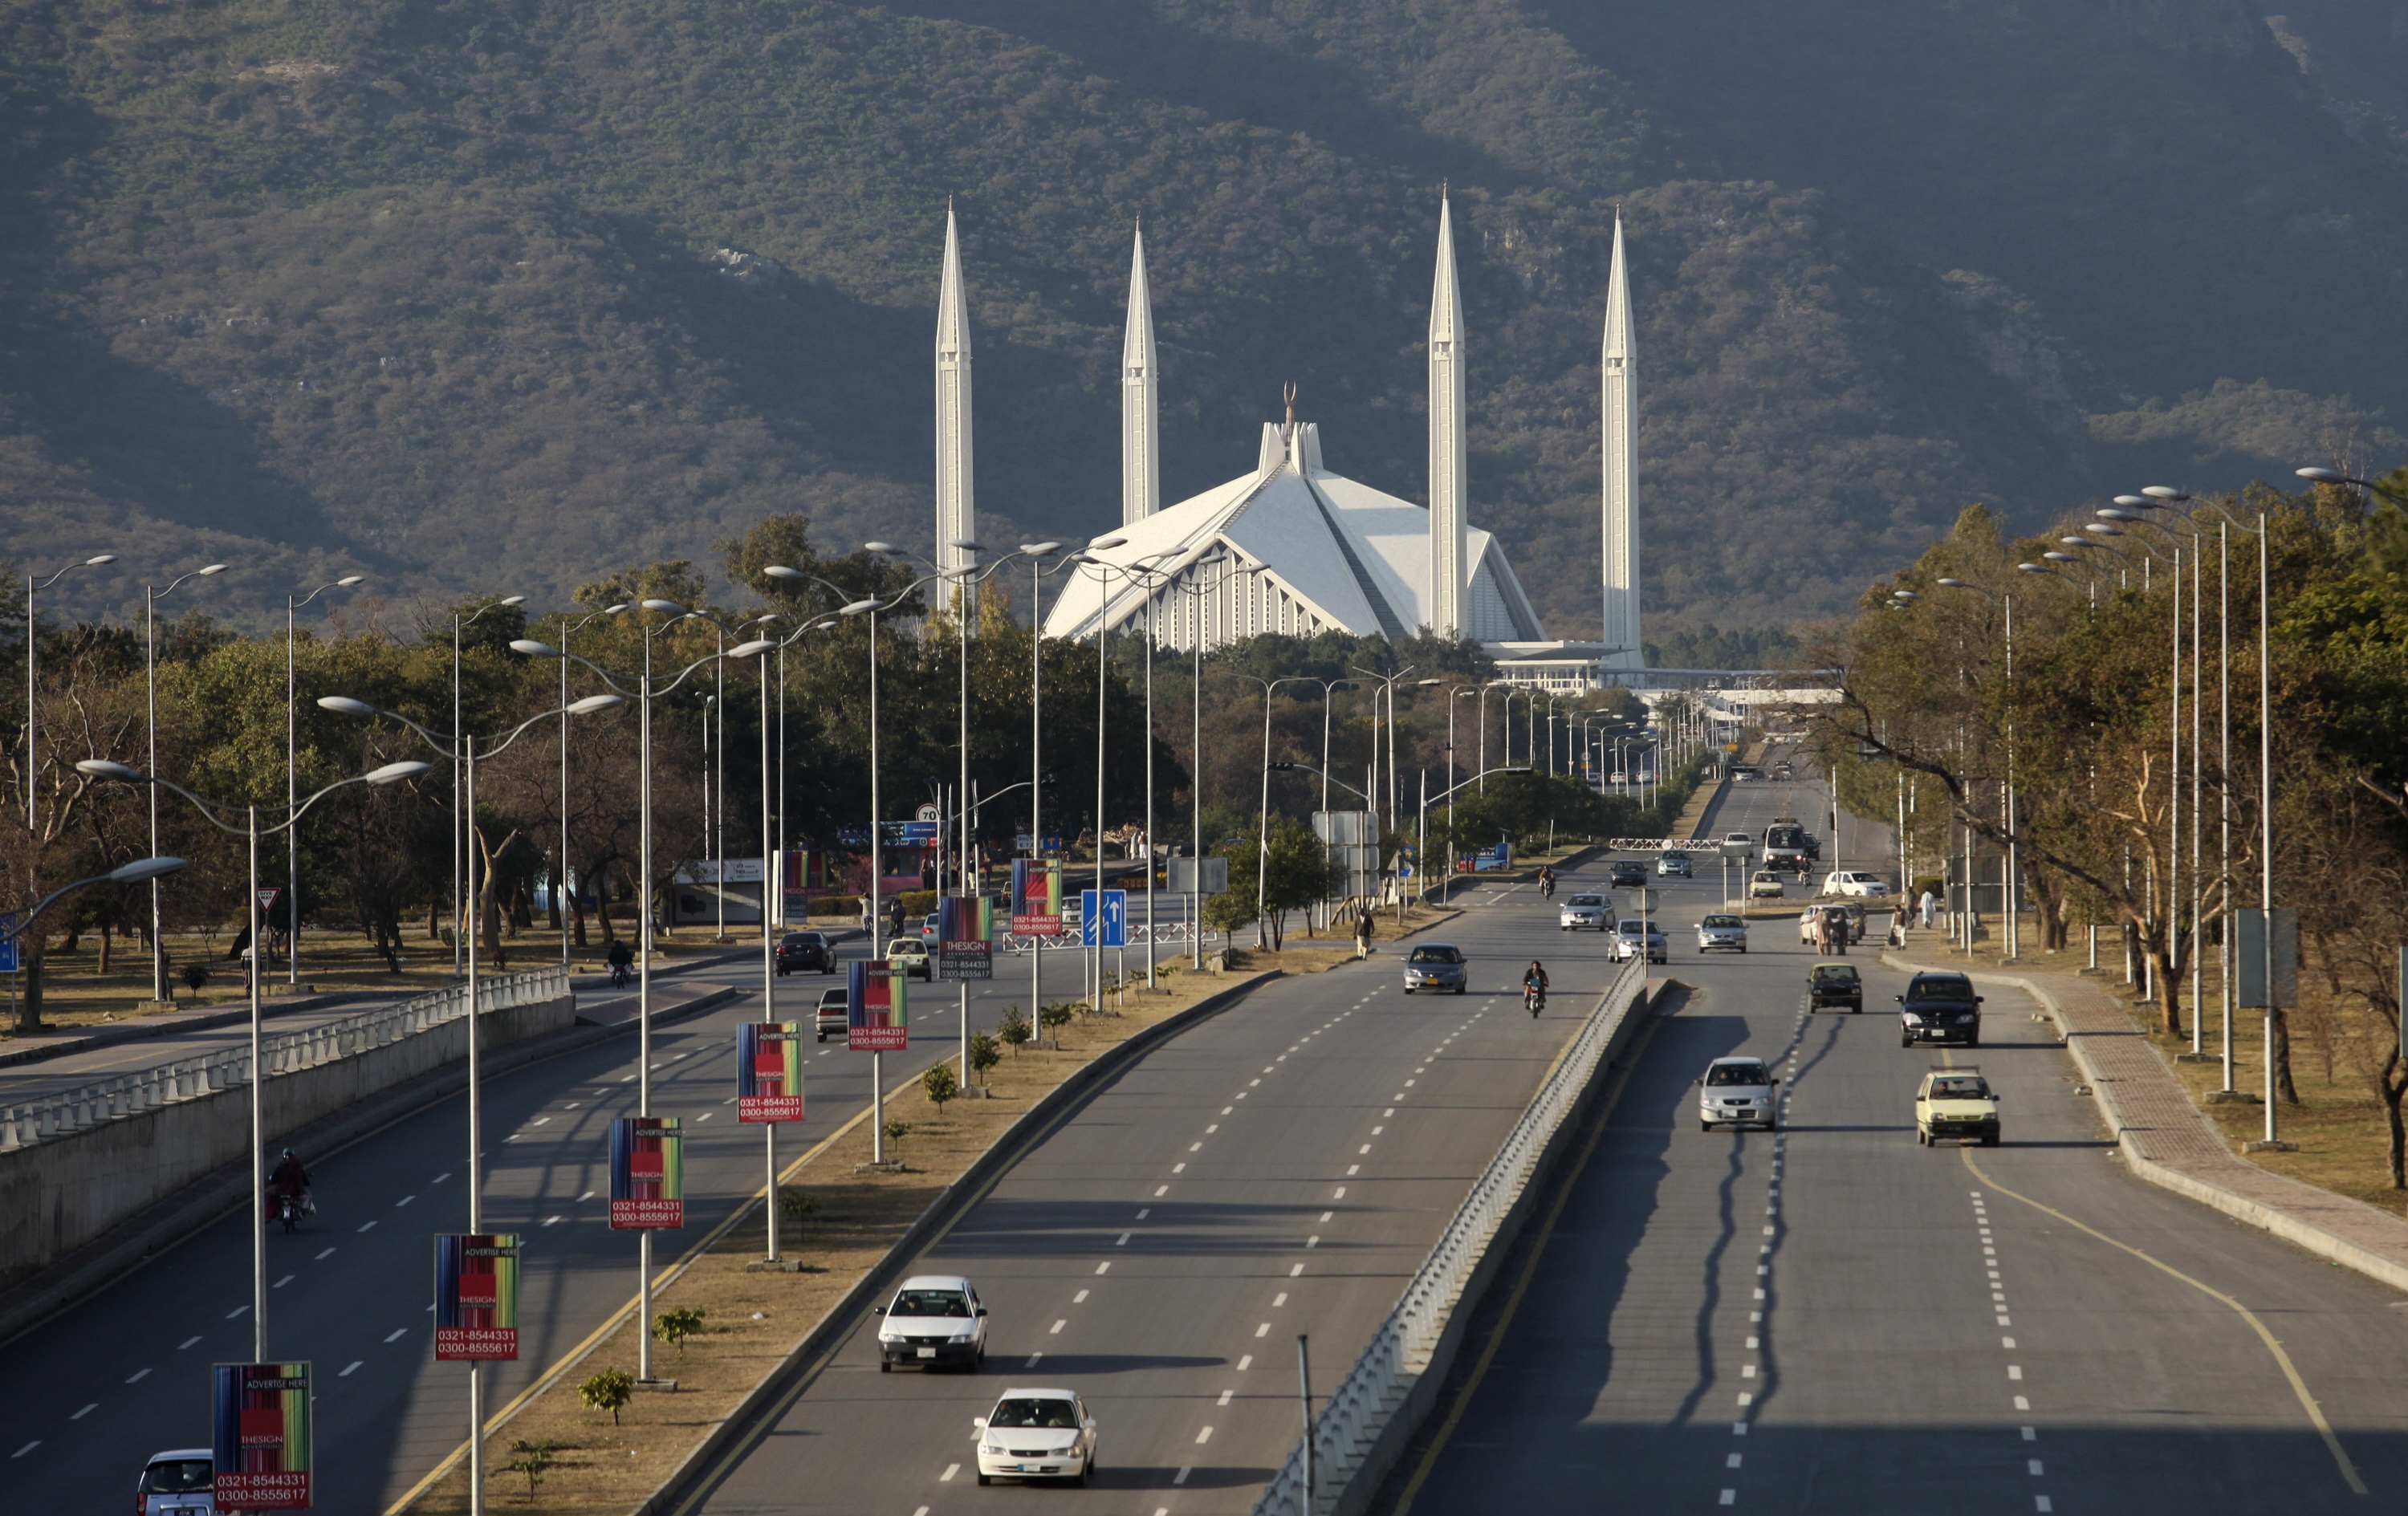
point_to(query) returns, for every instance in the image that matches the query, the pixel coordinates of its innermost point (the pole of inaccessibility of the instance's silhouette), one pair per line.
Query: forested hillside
(505, 295)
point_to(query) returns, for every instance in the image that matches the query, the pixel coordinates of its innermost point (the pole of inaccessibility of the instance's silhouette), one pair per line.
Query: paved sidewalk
(2170, 1142)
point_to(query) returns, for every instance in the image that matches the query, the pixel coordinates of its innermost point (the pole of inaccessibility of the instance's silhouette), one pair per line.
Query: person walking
(1363, 933)
(1929, 906)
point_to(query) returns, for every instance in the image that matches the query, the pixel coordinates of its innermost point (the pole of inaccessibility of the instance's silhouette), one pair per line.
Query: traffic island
(846, 1228)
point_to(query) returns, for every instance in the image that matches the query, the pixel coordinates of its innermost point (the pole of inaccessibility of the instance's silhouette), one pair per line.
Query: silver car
(1594, 911)
(1737, 1091)
(177, 1482)
(1434, 965)
(1626, 937)
(1719, 931)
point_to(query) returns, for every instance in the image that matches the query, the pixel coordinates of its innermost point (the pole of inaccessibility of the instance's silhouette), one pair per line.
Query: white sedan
(1590, 910)
(1851, 882)
(1627, 936)
(1037, 1434)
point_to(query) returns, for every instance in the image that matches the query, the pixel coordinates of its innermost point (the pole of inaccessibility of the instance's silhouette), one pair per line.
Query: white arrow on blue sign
(1107, 928)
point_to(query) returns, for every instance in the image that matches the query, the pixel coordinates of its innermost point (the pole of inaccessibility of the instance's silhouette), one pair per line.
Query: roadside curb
(127, 1247)
(2292, 1229)
(701, 1469)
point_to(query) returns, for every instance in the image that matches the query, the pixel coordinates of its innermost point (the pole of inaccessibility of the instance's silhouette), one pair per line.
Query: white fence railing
(1351, 1422)
(1137, 936)
(65, 1112)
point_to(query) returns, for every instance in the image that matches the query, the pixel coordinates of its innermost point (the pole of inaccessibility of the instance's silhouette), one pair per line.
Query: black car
(805, 951)
(1628, 875)
(1835, 986)
(1940, 1008)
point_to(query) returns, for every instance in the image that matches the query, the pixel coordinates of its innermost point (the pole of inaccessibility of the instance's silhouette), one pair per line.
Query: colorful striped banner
(769, 1071)
(261, 1443)
(476, 1296)
(646, 1173)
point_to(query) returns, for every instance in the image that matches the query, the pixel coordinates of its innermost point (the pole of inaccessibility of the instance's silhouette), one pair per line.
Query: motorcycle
(1534, 999)
(1546, 889)
(620, 974)
(288, 1209)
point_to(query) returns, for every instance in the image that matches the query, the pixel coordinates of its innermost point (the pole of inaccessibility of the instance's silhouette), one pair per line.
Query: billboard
(965, 937)
(769, 1071)
(877, 1017)
(646, 1173)
(260, 1442)
(476, 1296)
(1037, 895)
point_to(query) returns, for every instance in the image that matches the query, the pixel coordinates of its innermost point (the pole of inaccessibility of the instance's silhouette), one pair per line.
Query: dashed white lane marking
(1731, 1462)
(1203, 1437)
(1246, 1361)
(1181, 1478)
(1105, 1264)
(347, 1373)
(1225, 1396)
(1080, 1298)
(1295, 1270)
(86, 1411)
(1262, 1331)
(950, 1469)
(1278, 1300)
(139, 1374)
(921, 1512)
(26, 1449)
(1161, 1190)
(1123, 1242)
(540, 1120)
(281, 1283)
(2033, 1465)
(1057, 1327)
(324, 1256)
(1353, 1169)
(1366, 1148)
(2022, 1404)
(587, 1196)
(2014, 1371)
(397, 1336)
(1730, 1497)
(237, 1311)
(366, 1226)
(403, 1201)
(553, 1220)
(1340, 1194)
(187, 1343)
(1032, 1360)
(698, 1120)
(2040, 1502)
(440, 1178)
(1179, 1169)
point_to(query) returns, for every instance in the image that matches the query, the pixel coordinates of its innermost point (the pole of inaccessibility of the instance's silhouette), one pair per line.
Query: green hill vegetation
(505, 295)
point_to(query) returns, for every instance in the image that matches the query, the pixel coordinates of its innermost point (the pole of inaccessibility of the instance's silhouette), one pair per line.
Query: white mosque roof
(1334, 555)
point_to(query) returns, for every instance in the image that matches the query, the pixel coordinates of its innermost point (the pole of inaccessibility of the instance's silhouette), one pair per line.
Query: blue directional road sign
(1107, 927)
(8, 948)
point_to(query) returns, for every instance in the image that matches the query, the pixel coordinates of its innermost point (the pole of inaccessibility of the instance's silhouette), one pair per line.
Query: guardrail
(1356, 1411)
(71, 1111)
(1137, 936)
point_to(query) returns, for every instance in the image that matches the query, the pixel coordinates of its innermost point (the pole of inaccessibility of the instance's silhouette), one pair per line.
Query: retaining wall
(57, 1194)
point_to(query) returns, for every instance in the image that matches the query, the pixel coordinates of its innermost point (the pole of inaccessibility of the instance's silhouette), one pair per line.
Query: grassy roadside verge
(2337, 1124)
(751, 1321)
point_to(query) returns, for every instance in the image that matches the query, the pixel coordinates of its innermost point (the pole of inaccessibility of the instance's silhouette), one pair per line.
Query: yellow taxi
(1956, 1105)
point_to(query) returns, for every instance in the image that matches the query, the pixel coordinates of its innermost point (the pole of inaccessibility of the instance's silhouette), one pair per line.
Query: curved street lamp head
(879, 547)
(780, 571)
(349, 579)
(858, 606)
(343, 705)
(506, 600)
(531, 648)
(1103, 544)
(619, 610)
(395, 773)
(2106, 529)
(751, 650)
(101, 769)
(592, 702)
(1039, 550)
(1955, 584)
(2164, 493)
(2079, 542)
(2060, 557)
(2109, 513)
(144, 868)
(2136, 502)
(2324, 476)
(98, 559)
(967, 545)
(213, 568)
(2035, 568)
(664, 608)
(1904, 597)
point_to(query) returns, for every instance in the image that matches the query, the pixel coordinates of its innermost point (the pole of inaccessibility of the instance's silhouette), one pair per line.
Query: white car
(1743, 842)
(177, 1482)
(1719, 931)
(934, 1321)
(1852, 882)
(1037, 1434)
(1626, 934)
(1587, 911)
(1764, 885)
(1737, 1091)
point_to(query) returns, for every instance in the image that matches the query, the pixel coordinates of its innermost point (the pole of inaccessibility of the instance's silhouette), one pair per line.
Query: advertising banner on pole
(476, 1296)
(965, 937)
(877, 1018)
(646, 1173)
(769, 1071)
(259, 1415)
(1037, 895)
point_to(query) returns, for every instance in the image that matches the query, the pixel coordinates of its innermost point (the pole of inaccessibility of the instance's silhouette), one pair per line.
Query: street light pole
(32, 765)
(292, 836)
(459, 898)
(151, 598)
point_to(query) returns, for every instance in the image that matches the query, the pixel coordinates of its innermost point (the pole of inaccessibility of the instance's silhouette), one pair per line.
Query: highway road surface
(1280, 1169)
(1832, 1319)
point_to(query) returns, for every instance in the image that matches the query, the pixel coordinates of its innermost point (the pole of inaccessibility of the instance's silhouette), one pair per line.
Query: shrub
(984, 1054)
(917, 902)
(196, 978)
(1058, 1016)
(532, 1459)
(940, 1084)
(674, 1327)
(609, 1390)
(837, 905)
(896, 1132)
(797, 1205)
(1013, 1029)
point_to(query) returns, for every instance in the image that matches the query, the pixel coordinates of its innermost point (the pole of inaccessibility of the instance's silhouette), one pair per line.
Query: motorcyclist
(1534, 987)
(290, 1181)
(621, 958)
(1546, 883)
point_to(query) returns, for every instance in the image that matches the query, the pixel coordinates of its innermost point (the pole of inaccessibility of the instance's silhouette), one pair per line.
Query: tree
(939, 1084)
(611, 1390)
(1293, 871)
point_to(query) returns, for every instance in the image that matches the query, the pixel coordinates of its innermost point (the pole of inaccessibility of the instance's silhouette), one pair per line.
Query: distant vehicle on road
(1629, 874)
(1781, 773)
(834, 1013)
(1720, 932)
(177, 1482)
(1744, 774)
(910, 956)
(1593, 911)
(1629, 932)
(1434, 965)
(804, 952)
(934, 1321)
(1956, 1105)
(1784, 845)
(1673, 865)
(1738, 844)
(1764, 885)
(1737, 1091)
(1835, 986)
(1940, 1008)
(1855, 883)
(1037, 1434)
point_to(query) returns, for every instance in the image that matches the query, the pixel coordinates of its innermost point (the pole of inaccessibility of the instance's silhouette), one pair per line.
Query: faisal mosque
(1290, 546)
